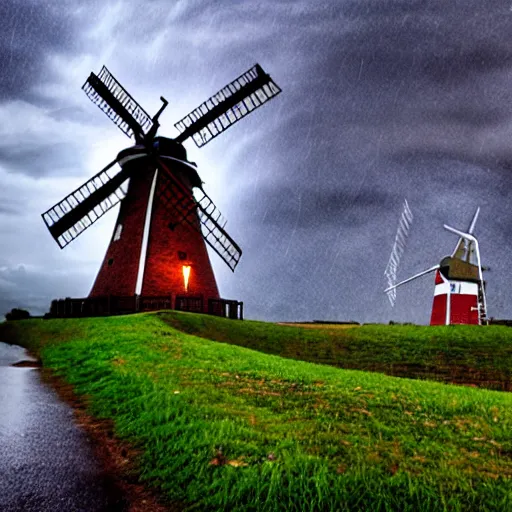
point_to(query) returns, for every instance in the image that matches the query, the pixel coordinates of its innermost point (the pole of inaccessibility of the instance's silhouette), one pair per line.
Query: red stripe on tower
(455, 302)
(439, 278)
(464, 309)
(441, 303)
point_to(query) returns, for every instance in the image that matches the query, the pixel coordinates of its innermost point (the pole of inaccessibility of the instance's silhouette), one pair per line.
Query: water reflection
(46, 462)
(13, 386)
(10, 354)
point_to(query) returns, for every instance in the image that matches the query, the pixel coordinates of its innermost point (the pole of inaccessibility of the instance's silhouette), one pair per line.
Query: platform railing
(122, 305)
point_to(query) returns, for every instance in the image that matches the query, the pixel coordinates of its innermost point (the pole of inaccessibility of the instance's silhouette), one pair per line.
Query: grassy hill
(223, 427)
(461, 354)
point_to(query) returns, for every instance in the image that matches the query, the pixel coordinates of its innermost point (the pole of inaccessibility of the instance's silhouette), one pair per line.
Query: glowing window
(117, 234)
(186, 276)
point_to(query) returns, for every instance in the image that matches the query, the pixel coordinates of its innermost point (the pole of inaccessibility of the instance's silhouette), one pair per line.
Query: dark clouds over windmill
(383, 100)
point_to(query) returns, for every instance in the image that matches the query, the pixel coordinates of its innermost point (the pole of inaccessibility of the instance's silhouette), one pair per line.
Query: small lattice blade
(243, 95)
(83, 207)
(398, 250)
(214, 233)
(200, 212)
(111, 97)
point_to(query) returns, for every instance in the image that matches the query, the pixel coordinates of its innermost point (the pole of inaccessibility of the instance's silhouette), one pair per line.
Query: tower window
(186, 276)
(117, 234)
(110, 262)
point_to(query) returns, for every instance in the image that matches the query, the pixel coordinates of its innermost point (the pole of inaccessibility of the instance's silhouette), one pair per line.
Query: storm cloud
(382, 100)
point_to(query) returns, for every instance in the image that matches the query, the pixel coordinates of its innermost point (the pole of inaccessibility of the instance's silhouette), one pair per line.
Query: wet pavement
(47, 464)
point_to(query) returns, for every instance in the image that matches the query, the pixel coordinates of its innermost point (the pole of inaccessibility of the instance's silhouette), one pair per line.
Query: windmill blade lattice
(397, 251)
(200, 212)
(83, 207)
(111, 97)
(213, 230)
(232, 103)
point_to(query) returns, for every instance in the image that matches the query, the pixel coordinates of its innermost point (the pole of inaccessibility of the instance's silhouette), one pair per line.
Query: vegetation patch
(457, 354)
(221, 427)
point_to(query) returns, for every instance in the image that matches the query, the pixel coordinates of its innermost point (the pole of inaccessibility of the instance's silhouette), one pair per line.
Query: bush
(17, 314)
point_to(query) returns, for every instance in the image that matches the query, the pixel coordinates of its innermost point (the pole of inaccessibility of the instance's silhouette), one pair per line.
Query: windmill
(165, 217)
(459, 294)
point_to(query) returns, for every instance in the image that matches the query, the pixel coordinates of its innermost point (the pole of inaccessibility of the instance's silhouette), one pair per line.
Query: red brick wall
(163, 273)
(120, 278)
(439, 310)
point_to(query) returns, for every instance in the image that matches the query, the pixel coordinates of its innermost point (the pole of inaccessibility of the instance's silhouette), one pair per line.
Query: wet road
(46, 462)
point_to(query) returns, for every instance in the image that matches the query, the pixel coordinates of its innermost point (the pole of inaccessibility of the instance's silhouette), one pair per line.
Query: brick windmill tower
(165, 217)
(459, 293)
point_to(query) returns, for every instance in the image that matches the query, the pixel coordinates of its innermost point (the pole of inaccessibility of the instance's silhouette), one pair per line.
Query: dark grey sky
(382, 100)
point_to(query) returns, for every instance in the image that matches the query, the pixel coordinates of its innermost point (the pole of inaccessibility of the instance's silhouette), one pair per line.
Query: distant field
(226, 428)
(326, 326)
(462, 354)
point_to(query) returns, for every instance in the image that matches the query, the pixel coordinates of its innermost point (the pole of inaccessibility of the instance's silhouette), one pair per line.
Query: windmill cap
(169, 147)
(457, 269)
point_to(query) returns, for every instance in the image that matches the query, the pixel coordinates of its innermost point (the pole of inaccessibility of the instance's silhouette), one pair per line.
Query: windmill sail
(465, 249)
(237, 99)
(214, 232)
(397, 251)
(415, 276)
(199, 211)
(83, 207)
(111, 97)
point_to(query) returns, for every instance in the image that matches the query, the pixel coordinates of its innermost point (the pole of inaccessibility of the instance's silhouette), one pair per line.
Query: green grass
(453, 354)
(222, 427)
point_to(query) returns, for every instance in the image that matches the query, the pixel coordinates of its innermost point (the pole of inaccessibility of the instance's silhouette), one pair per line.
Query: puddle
(46, 462)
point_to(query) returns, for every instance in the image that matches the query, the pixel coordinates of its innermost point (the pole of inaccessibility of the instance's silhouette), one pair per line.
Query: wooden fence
(116, 305)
